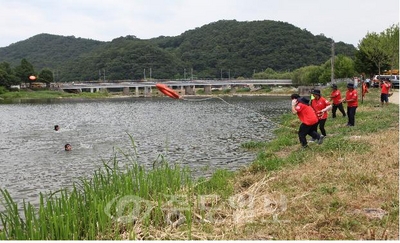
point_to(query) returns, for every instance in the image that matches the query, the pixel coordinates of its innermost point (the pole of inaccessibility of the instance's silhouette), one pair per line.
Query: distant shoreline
(45, 94)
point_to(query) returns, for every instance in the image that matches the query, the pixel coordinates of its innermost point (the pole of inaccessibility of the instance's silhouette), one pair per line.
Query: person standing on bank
(308, 118)
(385, 87)
(336, 98)
(352, 104)
(321, 107)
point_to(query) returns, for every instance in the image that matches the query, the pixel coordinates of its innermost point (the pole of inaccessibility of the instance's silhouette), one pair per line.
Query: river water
(204, 134)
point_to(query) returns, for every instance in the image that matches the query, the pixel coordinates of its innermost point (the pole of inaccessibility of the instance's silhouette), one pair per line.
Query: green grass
(47, 94)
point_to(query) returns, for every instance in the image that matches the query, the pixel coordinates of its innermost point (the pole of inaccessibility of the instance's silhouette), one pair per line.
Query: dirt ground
(395, 97)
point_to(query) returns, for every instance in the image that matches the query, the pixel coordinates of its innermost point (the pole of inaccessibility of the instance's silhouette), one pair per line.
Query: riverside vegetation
(345, 189)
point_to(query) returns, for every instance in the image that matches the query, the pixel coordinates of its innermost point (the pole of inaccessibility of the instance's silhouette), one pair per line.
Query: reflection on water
(204, 135)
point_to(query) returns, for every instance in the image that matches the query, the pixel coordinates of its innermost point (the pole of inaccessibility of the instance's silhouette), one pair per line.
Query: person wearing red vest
(352, 104)
(336, 98)
(321, 107)
(308, 118)
(364, 89)
(385, 87)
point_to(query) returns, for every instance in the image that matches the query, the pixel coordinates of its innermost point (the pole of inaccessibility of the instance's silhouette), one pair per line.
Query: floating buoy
(167, 91)
(32, 77)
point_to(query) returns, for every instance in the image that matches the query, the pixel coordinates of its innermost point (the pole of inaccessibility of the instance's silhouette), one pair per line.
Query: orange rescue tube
(167, 91)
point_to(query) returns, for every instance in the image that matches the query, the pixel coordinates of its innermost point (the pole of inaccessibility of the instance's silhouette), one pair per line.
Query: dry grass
(326, 194)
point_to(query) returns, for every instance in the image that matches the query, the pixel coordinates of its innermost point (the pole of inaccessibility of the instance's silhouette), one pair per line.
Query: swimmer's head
(68, 147)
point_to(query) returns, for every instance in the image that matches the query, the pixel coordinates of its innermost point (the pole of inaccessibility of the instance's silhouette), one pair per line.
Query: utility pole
(333, 62)
(150, 74)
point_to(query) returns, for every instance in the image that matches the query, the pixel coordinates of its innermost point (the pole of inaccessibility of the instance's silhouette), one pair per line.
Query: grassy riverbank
(48, 94)
(345, 189)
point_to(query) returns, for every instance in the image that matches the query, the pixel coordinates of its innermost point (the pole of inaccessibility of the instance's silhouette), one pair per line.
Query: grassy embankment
(346, 188)
(48, 94)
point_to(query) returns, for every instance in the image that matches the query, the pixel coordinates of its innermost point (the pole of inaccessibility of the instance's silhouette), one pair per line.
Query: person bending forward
(308, 118)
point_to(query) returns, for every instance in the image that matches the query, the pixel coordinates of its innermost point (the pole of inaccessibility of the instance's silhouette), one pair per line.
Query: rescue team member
(385, 87)
(352, 104)
(336, 98)
(321, 107)
(308, 118)
(364, 89)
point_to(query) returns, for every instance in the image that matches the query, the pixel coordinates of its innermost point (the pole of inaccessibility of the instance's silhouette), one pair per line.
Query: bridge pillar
(136, 91)
(189, 90)
(147, 91)
(207, 89)
(125, 91)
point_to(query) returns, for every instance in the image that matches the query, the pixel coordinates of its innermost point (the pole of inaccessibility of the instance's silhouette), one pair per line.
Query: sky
(342, 20)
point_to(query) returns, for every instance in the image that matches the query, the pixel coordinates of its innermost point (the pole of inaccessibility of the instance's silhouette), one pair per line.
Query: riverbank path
(395, 97)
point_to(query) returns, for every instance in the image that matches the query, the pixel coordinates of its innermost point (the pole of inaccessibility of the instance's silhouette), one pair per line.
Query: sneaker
(321, 139)
(312, 140)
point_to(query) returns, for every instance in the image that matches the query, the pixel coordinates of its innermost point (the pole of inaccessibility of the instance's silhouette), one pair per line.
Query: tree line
(219, 50)
(377, 52)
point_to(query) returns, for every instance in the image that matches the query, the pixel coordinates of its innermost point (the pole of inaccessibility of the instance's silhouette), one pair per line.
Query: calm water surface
(204, 134)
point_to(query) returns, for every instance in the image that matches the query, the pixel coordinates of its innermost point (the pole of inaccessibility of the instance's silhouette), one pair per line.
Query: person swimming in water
(56, 128)
(68, 147)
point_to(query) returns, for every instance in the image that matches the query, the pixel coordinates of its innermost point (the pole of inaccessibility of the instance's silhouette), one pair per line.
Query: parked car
(395, 81)
(393, 78)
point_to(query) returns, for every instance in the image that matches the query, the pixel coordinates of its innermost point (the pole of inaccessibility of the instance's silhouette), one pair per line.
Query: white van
(393, 78)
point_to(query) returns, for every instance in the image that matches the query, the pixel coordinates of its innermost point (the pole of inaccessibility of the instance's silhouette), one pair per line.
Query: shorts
(384, 98)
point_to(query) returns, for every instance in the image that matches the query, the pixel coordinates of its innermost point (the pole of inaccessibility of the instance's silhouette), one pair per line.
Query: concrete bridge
(144, 88)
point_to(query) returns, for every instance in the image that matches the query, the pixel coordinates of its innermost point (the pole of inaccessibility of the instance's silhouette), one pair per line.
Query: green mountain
(226, 48)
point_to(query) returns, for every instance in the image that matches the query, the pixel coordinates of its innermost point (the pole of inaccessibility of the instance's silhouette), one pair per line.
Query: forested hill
(226, 47)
